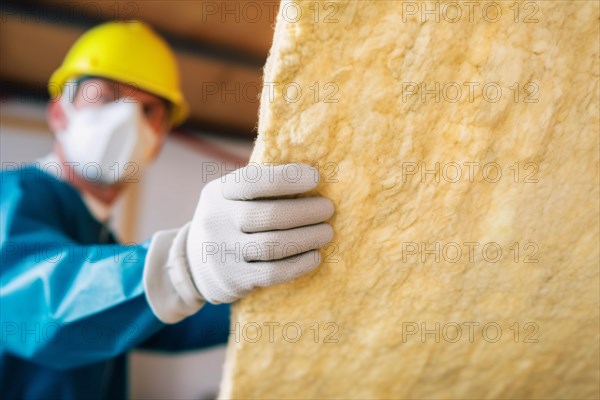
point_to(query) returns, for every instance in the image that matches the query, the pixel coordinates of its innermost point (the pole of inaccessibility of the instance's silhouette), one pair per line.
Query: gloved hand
(241, 237)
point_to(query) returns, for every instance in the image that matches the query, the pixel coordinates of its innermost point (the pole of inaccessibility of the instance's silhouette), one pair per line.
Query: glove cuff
(168, 285)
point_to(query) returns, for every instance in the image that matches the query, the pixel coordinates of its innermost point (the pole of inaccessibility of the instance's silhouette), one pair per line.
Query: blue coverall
(72, 301)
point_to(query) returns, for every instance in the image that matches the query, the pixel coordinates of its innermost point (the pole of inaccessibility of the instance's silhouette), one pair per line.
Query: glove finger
(258, 181)
(276, 245)
(269, 215)
(269, 273)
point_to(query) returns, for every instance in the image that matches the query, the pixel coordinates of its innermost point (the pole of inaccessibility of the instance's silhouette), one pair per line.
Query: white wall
(166, 198)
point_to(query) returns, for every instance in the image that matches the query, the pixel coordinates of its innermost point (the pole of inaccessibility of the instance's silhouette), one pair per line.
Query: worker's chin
(106, 192)
(112, 186)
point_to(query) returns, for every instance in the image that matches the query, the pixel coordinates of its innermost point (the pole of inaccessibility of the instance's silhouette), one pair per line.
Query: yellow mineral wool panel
(459, 144)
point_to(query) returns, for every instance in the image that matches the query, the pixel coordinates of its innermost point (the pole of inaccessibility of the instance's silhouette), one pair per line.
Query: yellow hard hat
(129, 52)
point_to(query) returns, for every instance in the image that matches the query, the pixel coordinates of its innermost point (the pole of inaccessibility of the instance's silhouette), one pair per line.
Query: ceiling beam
(242, 28)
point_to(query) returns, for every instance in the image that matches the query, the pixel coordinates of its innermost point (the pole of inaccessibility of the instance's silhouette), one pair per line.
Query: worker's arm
(61, 309)
(63, 304)
(71, 308)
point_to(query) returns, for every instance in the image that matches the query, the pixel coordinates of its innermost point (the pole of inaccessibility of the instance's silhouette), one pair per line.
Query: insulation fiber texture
(466, 252)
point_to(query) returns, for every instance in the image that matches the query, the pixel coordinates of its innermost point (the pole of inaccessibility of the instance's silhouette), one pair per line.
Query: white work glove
(240, 238)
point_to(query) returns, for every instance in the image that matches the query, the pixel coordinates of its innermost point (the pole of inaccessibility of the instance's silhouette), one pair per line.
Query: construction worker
(73, 300)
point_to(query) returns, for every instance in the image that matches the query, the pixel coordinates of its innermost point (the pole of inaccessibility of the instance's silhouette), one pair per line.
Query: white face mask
(107, 144)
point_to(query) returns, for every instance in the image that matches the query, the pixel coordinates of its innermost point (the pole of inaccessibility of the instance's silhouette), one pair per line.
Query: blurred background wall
(221, 47)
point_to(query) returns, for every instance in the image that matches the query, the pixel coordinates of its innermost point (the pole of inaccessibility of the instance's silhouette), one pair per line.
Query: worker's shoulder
(31, 180)
(25, 174)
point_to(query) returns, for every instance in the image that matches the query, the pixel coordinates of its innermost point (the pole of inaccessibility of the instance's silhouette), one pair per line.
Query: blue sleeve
(64, 304)
(208, 327)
